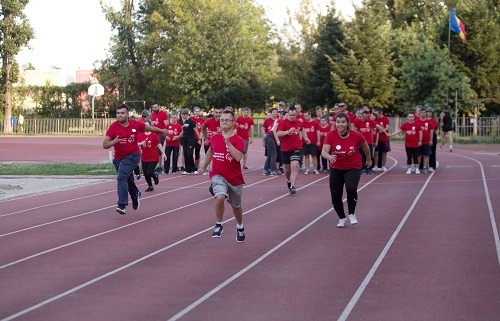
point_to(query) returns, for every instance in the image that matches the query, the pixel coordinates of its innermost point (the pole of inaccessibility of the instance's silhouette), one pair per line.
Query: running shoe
(306, 172)
(156, 179)
(375, 168)
(136, 201)
(431, 169)
(185, 173)
(150, 189)
(451, 149)
(363, 171)
(424, 170)
(417, 171)
(408, 172)
(316, 172)
(293, 191)
(353, 219)
(240, 235)
(384, 169)
(265, 173)
(369, 172)
(205, 172)
(342, 222)
(121, 209)
(289, 184)
(195, 172)
(217, 230)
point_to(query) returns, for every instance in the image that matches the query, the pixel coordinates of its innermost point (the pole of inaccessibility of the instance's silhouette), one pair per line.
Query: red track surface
(426, 247)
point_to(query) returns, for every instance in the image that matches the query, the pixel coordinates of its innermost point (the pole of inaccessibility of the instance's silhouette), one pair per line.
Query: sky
(73, 34)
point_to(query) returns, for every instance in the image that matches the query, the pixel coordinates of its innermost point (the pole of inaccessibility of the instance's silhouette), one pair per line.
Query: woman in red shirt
(341, 150)
(150, 144)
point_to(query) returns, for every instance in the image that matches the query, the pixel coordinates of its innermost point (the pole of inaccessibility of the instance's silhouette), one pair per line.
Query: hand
(332, 158)
(368, 163)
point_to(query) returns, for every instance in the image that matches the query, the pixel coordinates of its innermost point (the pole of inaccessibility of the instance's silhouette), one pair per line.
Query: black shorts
(424, 150)
(310, 149)
(288, 157)
(447, 128)
(383, 147)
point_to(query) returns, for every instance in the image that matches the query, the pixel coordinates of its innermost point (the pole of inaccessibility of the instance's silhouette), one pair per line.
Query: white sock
(238, 226)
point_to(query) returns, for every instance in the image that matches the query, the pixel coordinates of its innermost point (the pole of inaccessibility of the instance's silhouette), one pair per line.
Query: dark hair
(292, 108)
(228, 112)
(343, 115)
(218, 107)
(121, 106)
(156, 103)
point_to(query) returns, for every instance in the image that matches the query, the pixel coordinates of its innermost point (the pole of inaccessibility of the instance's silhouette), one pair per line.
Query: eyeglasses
(226, 120)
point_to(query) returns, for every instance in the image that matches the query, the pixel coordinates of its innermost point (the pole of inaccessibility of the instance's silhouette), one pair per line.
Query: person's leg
(294, 166)
(351, 179)
(175, 159)
(450, 139)
(188, 156)
(270, 164)
(197, 149)
(408, 159)
(307, 162)
(147, 174)
(125, 179)
(166, 165)
(336, 191)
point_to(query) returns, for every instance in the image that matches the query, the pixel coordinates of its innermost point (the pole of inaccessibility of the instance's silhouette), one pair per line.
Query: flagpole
(449, 58)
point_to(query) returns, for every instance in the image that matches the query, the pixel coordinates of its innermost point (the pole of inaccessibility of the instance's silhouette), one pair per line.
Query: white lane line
(83, 285)
(108, 231)
(261, 258)
(371, 273)
(490, 207)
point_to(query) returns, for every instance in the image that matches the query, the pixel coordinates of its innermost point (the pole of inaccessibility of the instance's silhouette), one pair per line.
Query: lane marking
(371, 273)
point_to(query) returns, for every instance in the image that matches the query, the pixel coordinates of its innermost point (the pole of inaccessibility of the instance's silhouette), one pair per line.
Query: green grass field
(57, 169)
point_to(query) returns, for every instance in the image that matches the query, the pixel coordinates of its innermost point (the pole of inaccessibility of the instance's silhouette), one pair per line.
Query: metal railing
(469, 130)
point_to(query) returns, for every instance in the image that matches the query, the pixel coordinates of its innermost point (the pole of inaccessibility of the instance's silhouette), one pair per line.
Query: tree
(319, 87)
(15, 33)
(364, 74)
(189, 52)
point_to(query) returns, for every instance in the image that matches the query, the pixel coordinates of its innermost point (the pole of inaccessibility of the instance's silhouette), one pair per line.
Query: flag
(457, 26)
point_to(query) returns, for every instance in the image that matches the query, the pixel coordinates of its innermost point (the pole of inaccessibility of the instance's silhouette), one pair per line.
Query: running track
(426, 247)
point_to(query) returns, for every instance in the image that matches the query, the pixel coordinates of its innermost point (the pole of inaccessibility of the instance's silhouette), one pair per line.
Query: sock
(238, 226)
(218, 223)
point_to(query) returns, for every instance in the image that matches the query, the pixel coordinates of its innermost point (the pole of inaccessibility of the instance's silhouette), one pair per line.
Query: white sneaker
(185, 173)
(195, 172)
(408, 172)
(353, 219)
(375, 168)
(417, 171)
(316, 172)
(205, 172)
(306, 172)
(384, 169)
(431, 169)
(342, 222)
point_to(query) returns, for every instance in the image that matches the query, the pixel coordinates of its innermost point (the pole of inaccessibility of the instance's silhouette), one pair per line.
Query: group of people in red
(225, 139)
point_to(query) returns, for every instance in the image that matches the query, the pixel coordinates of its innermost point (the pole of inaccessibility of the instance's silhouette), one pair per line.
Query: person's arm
(420, 134)
(303, 134)
(395, 133)
(162, 151)
(325, 152)
(237, 155)
(250, 138)
(154, 129)
(208, 159)
(204, 132)
(108, 142)
(318, 135)
(366, 149)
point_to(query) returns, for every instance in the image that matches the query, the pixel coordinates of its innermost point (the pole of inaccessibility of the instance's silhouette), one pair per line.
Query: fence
(469, 130)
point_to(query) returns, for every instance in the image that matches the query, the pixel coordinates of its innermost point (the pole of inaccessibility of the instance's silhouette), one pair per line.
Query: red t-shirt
(323, 131)
(223, 163)
(311, 128)
(199, 122)
(243, 127)
(384, 121)
(292, 141)
(128, 143)
(173, 130)
(268, 125)
(158, 119)
(346, 149)
(365, 128)
(427, 127)
(411, 131)
(213, 127)
(150, 151)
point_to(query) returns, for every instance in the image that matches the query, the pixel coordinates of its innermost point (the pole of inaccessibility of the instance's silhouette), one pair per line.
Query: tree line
(394, 54)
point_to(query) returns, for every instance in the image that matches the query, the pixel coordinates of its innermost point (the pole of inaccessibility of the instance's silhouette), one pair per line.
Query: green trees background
(393, 54)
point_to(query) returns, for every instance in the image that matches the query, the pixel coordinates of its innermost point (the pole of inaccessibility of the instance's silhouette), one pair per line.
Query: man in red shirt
(123, 135)
(343, 109)
(310, 150)
(244, 129)
(269, 142)
(427, 133)
(159, 118)
(172, 143)
(384, 145)
(198, 120)
(291, 132)
(366, 127)
(226, 152)
(413, 140)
